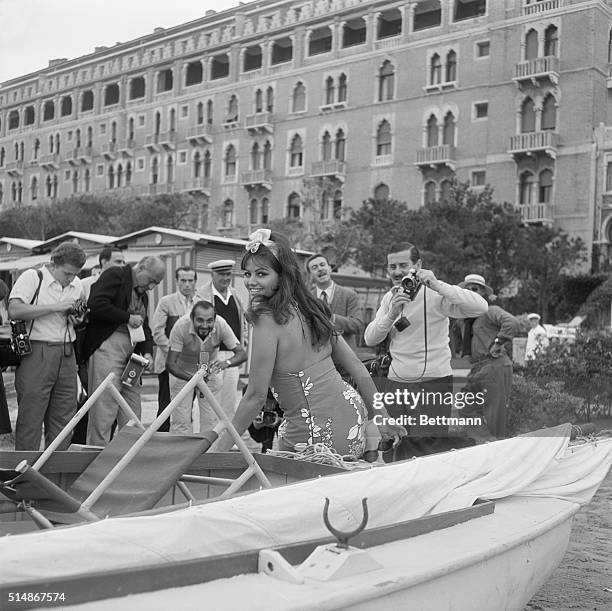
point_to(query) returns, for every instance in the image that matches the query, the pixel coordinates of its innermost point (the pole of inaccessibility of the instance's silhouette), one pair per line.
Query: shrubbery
(565, 383)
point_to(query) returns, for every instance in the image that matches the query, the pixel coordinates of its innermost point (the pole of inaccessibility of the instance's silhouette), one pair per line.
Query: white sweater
(407, 347)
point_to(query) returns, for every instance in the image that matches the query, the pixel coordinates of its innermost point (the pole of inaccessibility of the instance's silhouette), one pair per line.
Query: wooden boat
(429, 543)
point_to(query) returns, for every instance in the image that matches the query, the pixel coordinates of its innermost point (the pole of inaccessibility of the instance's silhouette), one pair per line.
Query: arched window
(157, 123)
(197, 165)
(230, 161)
(253, 212)
(451, 67)
(36, 148)
(169, 169)
(154, 171)
(77, 138)
(549, 113)
(609, 177)
(265, 210)
(383, 138)
(337, 204)
(296, 152)
(435, 70)
(51, 143)
(329, 90)
(130, 130)
(113, 134)
(293, 206)
(66, 106)
(172, 125)
(34, 189)
(16, 151)
(21, 151)
(545, 187)
(232, 110)
(381, 192)
(75, 181)
(200, 113)
(430, 192)
(528, 116)
(432, 131)
(269, 99)
(3, 154)
(90, 136)
(299, 97)
(57, 144)
(340, 145)
(445, 191)
(526, 189)
(267, 156)
(128, 173)
(326, 147)
(255, 157)
(87, 181)
(14, 191)
(551, 38)
(54, 194)
(342, 88)
(209, 112)
(207, 164)
(227, 218)
(87, 100)
(610, 47)
(448, 131)
(531, 45)
(111, 177)
(49, 186)
(119, 175)
(258, 101)
(386, 81)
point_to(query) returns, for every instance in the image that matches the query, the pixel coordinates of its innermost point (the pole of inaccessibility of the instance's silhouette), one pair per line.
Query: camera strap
(35, 298)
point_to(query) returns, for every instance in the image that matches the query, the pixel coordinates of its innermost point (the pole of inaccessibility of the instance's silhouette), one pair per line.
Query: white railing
(536, 213)
(436, 154)
(533, 141)
(537, 66)
(535, 8)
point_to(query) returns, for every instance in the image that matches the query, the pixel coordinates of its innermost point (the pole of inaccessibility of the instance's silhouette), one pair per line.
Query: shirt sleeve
(379, 328)
(158, 324)
(461, 303)
(226, 335)
(25, 286)
(177, 338)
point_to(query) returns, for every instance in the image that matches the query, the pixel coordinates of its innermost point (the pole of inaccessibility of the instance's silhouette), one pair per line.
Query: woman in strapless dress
(294, 349)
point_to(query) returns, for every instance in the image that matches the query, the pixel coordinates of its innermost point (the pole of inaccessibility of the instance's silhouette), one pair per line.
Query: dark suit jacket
(108, 303)
(348, 313)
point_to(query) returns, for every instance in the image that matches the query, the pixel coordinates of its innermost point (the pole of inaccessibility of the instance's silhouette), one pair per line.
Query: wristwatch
(228, 363)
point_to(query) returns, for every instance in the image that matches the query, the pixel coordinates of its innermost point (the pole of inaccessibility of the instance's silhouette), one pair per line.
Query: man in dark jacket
(118, 326)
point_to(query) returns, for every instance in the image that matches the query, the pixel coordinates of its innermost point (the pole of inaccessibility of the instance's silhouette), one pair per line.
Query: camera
(268, 416)
(411, 284)
(79, 308)
(20, 339)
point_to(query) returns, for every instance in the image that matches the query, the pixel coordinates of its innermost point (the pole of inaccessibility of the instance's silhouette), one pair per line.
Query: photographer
(46, 379)
(264, 428)
(415, 318)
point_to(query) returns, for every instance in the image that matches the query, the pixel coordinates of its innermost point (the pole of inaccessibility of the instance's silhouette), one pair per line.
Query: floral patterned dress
(320, 407)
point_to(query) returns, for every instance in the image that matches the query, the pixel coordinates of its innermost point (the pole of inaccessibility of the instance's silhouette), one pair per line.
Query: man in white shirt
(416, 322)
(228, 306)
(169, 309)
(46, 379)
(537, 338)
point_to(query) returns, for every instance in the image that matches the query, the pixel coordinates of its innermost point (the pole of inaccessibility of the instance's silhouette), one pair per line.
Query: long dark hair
(292, 291)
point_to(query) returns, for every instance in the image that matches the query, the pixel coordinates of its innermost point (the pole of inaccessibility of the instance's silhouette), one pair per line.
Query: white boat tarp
(540, 465)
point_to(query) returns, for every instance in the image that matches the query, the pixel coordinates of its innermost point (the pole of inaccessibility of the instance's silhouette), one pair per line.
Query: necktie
(324, 297)
(466, 348)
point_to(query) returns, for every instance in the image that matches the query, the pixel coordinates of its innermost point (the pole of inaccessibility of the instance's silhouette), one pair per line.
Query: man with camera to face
(48, 305)
(414, 316)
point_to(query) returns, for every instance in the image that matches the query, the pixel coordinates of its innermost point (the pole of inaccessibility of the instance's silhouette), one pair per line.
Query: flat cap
(222, 265)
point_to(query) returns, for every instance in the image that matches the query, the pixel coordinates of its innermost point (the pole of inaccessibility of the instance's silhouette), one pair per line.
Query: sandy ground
(582, 582)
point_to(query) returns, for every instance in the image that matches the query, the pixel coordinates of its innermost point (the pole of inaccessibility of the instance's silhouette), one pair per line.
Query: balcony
(198, 185)
(540, 68)
(84, 153)
(260, 121)
(167, 140)
(537, 8)
(257, 178)
(154, 189)
(73, 158)
(126, 147)
(14, 168)
(536, 213)
(436, 156)
(335, 168)
(50, 162)
(109, 150)
(200, 134)
(534, 142)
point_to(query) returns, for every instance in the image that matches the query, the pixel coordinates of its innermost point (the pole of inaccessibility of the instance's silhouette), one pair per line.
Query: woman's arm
(263, 357)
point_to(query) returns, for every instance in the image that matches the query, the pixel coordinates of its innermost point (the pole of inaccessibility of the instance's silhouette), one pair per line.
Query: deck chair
(121, 480)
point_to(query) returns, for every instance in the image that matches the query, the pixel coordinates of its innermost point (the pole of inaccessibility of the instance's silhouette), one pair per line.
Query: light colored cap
(222, 265)
(533, 315)
(476, 279)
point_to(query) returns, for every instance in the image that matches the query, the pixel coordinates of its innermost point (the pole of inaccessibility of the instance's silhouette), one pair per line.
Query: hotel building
(381, 97)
